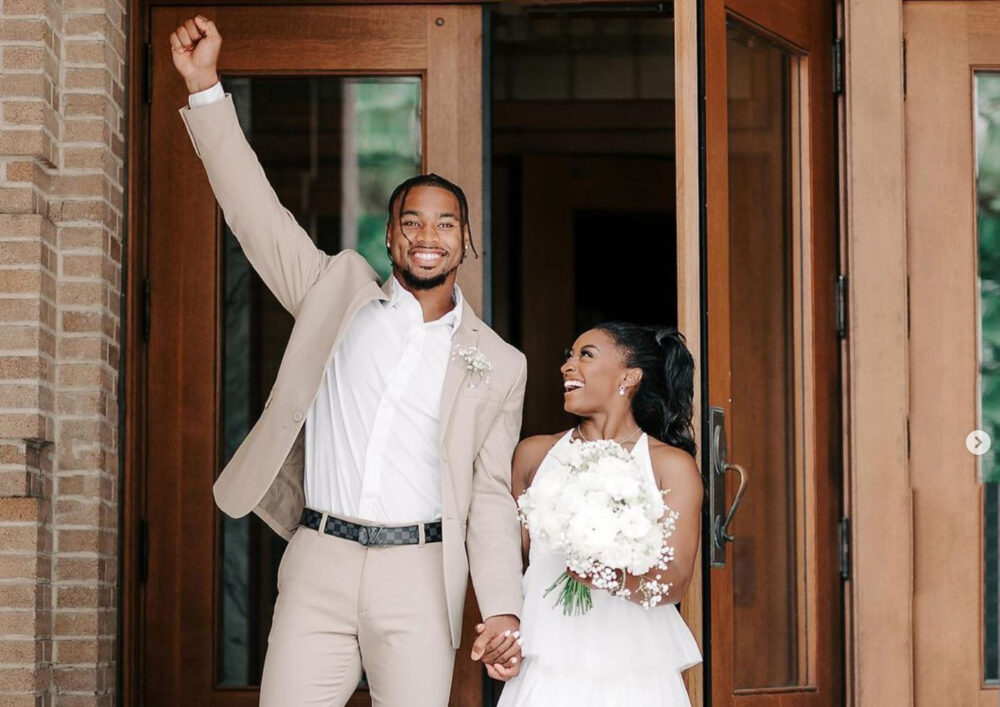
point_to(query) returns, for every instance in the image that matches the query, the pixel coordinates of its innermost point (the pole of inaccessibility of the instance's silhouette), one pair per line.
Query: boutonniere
(476, 363)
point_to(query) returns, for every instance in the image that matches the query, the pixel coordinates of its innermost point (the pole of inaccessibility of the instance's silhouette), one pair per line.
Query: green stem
(574, 595)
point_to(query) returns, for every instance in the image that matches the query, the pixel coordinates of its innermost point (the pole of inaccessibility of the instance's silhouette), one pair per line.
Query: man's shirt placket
(397, 384)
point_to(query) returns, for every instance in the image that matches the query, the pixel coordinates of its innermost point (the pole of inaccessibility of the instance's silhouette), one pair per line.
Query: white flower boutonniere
(476, 363)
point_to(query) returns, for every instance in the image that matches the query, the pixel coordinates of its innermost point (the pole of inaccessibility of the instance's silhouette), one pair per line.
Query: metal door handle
(721, 534)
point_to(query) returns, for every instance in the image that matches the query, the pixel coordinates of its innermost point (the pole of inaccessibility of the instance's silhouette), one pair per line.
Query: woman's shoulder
(673, 467)
(531, 451)
(535, 448)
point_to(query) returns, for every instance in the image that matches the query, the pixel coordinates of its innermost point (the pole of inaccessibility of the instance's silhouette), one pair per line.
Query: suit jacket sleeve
(493, 536)
(277, 247)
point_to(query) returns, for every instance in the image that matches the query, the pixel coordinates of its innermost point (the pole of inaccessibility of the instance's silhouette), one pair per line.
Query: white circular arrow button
(978, 442)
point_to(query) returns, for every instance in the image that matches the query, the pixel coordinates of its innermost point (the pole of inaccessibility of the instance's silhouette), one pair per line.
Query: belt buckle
(369, 535)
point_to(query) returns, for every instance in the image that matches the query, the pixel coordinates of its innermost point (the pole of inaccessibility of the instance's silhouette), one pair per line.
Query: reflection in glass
(333, 149)
(987, 99)
(768, 363)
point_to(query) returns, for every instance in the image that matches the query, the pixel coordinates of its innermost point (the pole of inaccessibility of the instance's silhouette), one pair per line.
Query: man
(384, 448)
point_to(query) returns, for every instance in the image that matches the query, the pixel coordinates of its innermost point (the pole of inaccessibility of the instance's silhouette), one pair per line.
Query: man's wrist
(201, 81)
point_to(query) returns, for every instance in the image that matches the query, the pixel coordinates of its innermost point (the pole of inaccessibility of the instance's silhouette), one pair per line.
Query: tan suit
(480, 424)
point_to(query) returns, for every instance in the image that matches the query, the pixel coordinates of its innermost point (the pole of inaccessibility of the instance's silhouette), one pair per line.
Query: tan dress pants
(342, 606)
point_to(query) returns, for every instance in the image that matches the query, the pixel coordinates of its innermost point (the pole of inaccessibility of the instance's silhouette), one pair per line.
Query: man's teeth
(572, 385)
(428, 257)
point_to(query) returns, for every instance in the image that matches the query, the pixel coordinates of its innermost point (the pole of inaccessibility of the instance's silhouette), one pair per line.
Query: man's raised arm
(277, 247)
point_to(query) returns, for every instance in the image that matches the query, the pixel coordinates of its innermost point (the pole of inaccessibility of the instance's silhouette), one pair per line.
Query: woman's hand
(588, 581)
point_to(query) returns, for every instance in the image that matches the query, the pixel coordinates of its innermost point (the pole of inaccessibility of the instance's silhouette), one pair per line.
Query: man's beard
(421, 283)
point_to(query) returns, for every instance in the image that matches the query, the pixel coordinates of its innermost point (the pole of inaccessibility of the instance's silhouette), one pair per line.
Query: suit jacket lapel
(467, 335)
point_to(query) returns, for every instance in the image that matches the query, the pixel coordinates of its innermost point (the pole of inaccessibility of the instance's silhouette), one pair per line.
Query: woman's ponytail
(663, 404)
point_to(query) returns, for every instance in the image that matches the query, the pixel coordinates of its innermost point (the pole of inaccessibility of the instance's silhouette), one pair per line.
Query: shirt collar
(401, 297)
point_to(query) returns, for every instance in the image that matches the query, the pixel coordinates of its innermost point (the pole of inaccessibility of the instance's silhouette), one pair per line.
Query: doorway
(583, 183)
(588, 133)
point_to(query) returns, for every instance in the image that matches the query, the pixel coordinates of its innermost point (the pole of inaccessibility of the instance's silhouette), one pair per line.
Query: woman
(632, 384)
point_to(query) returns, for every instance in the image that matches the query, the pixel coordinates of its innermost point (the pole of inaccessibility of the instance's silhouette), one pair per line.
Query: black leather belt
(372, 534)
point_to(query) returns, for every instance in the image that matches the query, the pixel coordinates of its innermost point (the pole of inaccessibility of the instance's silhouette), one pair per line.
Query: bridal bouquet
(597, 507)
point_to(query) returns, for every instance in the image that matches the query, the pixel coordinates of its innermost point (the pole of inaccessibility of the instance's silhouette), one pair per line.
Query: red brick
(77, 541)
(23, 142)
(26, 86)
(76, 596)
(24, 567)
(77, 512)
(28, 425)
(12, 8)
(22, 510)
(76, 568)
(23, 112)
(22, 30)
(85, 24)
(20, 57)
(76, 623)
(18, 623)
(76, 651)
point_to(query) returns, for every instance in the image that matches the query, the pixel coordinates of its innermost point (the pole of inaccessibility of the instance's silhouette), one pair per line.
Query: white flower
(596, 506)
(476, 362)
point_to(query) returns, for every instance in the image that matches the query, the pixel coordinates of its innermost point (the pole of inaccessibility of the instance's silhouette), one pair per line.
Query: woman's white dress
(616, 655)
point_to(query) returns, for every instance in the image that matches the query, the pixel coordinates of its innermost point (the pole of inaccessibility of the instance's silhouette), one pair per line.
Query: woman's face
(593, 370)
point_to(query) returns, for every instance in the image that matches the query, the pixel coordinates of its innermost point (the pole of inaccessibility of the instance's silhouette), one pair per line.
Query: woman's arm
(676, 470)
(527, 458)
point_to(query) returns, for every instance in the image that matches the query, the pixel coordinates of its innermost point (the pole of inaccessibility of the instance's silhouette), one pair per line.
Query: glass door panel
(340, 103)
(767, 294)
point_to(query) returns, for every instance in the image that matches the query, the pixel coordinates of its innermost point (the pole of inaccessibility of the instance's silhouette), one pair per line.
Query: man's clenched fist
(195, 46)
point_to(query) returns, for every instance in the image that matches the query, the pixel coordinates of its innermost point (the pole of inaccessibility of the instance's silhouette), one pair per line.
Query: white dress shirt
(373, 432)
(372, 446)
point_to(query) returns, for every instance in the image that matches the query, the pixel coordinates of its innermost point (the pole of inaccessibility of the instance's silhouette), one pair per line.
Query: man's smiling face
(425, 238)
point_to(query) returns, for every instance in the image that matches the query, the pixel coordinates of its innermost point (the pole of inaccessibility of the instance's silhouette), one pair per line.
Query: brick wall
(61, 195)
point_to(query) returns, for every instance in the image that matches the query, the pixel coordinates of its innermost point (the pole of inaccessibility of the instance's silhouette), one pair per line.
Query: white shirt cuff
(210, 95)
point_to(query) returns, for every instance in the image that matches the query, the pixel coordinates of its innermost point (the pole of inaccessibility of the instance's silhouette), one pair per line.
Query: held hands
(194, 47)
(498, 645)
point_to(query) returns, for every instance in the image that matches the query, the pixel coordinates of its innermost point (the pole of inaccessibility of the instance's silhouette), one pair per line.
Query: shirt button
(297, 416)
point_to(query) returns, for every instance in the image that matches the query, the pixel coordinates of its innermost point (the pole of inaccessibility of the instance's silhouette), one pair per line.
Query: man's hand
(195, 47)
(498, 646)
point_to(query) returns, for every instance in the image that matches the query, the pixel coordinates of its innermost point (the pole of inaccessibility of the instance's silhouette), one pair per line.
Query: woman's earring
(621, 389)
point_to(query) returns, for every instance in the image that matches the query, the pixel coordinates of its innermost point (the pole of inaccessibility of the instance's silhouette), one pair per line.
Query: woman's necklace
(635, 435)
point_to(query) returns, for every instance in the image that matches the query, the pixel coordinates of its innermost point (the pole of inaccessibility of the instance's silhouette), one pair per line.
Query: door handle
(718, 466)
(721, 530)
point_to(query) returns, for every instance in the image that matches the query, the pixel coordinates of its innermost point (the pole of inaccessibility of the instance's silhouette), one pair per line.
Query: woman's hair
(663, 404)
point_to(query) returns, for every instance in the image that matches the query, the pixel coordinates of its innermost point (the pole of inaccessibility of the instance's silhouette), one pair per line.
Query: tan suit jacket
(480, 424)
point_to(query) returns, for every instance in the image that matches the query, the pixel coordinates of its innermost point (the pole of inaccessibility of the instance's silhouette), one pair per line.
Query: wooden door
(772, 404)
(340, 104)
(952, 110)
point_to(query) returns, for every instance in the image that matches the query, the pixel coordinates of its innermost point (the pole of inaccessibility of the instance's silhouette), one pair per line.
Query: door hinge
(838, 67)
(147, 309)
(904, 68)
(148, 80)
(840, 293)
(143, 550)
(907, 305)
(845, 547)
(907, 436)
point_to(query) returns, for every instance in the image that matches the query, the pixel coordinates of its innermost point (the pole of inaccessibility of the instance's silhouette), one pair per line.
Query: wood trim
(455, 50)
(688, 203)
(880, 591)
(946, 42)
(133, 398)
